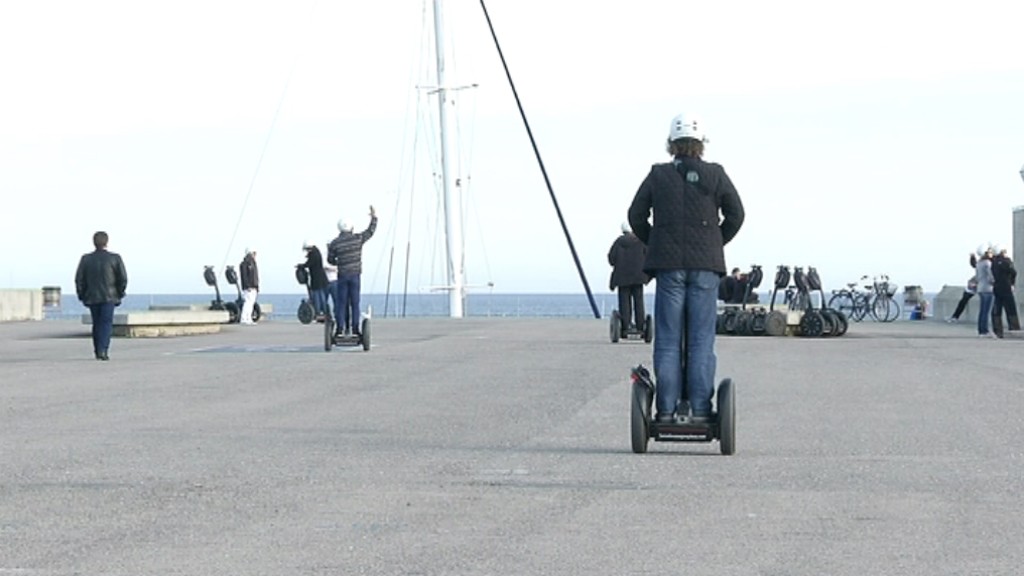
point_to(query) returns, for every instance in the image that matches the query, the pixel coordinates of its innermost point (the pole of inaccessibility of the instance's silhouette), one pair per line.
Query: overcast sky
(875, 137)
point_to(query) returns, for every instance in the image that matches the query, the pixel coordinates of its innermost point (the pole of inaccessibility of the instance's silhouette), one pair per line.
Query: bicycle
(884, 307)
(854, 303)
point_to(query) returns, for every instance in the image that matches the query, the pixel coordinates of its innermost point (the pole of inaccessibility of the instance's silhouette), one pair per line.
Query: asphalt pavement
(502, 446)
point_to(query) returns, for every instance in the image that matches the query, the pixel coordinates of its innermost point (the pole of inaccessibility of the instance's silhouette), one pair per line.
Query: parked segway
(332, 338)
(306, 311)
(775, 320)
(211, 280)
(632, 332)
(643, 427)
(750, 321)
(834, 318)
(812, 323)
(235, 308)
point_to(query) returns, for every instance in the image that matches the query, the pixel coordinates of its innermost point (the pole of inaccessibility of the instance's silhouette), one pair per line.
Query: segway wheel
(726, 417)
(256, 312)
(775, 323)
(757, 322)
(365, 336)
(306, 312)
(640, 418)
(614, 326)
(844, 323)
(744, 318)
(812, 324)
(328, 333)
(234, 315)
(648, 329)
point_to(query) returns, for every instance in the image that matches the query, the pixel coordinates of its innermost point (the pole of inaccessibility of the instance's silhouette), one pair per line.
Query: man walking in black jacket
(100, 283)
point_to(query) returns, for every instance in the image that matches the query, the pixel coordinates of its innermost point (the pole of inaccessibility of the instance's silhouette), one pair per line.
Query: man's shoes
(666, 419)
(699, 419)
(952, 320)
(102, 355)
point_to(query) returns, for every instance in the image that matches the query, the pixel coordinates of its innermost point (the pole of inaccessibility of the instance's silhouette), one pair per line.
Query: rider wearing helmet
(696, 211)
(346, 252)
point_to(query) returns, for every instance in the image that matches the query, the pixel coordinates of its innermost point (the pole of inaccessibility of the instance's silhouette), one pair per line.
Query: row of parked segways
(234, 309)
(800, 317)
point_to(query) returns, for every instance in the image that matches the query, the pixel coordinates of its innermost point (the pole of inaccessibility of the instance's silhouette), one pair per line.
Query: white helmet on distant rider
(686, 126)
(344, 225)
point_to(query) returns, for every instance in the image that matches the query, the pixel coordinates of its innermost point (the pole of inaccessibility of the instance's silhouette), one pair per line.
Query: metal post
(452, 194)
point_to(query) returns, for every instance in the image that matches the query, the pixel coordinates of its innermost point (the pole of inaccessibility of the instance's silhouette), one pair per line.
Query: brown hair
(685, 147)
(100, 239)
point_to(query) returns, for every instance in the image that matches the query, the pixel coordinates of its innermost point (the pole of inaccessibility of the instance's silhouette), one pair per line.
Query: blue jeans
(347, 295)
(685, 312)
(319, 299)
(102, 326)
(985, 313)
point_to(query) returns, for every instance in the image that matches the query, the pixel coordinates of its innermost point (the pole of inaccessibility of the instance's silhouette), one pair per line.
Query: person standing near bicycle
(696, 212)
(983, 272)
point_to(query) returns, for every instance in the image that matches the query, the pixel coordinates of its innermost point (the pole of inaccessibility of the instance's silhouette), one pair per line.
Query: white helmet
(997, 249)
(626, 228)
(306, 244)
(344, 225)
(686, 126)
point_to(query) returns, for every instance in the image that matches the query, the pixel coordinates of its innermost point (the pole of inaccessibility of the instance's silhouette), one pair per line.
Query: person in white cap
(626, 257)
(314, 266)
(696, 212)
(249, 274)
(346, 252)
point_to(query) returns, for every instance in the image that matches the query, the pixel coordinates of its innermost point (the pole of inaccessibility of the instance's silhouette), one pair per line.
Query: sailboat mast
(452, 195)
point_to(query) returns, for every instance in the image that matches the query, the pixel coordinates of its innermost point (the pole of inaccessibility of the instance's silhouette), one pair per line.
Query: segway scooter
(775, 322)
(835, 319)
(643, 427)
(306, 312)
(235, 308)
(332, 339)
(750, 321)
(632, 332)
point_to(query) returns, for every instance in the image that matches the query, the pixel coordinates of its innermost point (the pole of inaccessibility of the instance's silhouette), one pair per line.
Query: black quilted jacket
(697, 211)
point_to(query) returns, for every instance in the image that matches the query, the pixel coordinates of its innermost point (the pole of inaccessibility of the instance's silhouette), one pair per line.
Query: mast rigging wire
(540, 162)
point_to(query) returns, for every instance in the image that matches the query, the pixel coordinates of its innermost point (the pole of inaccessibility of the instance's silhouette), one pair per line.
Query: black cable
(540, 162)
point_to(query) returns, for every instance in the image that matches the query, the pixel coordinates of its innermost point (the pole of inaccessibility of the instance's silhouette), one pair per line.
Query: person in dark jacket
(249, 276)
(970, 290)
(1005, 276)
(346, 252)
(100, 282)
(696, 212)
(626, 257)
(314, 266)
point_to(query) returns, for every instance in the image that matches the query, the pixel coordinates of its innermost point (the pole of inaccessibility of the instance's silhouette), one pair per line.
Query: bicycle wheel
(842, 302)
(885, 309)
(860, 308)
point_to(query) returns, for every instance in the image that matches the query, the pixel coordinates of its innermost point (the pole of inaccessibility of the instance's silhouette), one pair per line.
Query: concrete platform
(501, 446)
(173, 321)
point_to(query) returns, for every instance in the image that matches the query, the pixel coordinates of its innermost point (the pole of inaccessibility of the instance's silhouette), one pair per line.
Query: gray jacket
(983, 272)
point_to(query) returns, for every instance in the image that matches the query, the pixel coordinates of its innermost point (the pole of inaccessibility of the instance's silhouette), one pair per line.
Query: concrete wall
(18, 305)
(1017, 251)
(946, 300)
